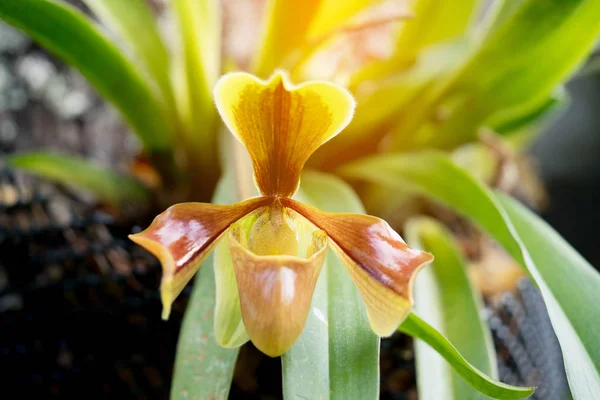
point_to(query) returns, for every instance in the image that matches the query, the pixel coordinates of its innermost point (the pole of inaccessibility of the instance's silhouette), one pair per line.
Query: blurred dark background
(568, 155)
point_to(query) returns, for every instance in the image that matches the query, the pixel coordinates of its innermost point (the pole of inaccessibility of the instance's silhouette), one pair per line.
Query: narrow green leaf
(305, 367)
(535, 48)
(199, 22)
(446, 299)
(110, 186)
(230, 331)
(384, 101)
(434, 175)
(415, 326)
(133, 20)
(512, 63)
(435, 21)
(67, 33)
(337, 355)
(528, 116)
(229, 327)
(204, 369)
(569, 285)
(394, 94)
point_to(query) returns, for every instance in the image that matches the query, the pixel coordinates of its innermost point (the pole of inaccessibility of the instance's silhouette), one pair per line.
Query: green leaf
(76, 172)
(133, 20)
(230, 331)
(394, 94)
(434, 175)
(516, 119)
(446, 299)
(569, 285)
(197, 71)
(433, 23)
(498, 14)
(71, 36)
(415, 326)
(337, 355)
(204, 369)
(514, 70)
(383, 101)
(512, 63)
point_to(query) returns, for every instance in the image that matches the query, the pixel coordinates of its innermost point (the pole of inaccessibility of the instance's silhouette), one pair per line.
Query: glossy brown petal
(280, 124)
(275, 291)
(381, 265)
(183, 235)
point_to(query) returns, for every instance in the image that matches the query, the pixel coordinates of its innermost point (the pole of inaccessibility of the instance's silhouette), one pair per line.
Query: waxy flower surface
(277, 244)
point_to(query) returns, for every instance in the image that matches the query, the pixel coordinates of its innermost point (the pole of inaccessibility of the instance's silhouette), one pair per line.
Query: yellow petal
(275, 290)
(281, 124)
(183, 235)
(380, 263)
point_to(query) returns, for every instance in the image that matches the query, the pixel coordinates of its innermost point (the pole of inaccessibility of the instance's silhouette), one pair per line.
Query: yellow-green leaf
(196, 71)
(570, 286)
(110, 186)
(71, 36)
(133, 21)
(445, 298)
(433, 22)
(416, 327)
(513, 71)
(229, 327)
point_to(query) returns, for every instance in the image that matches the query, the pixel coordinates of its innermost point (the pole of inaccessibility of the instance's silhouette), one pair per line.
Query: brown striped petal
(281, 124)
(183, 235)
(381, 264)
(275, 291)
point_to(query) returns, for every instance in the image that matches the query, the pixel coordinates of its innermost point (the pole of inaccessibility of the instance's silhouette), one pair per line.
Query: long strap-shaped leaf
(204, 369)
(447, 300)
(434, 22)
(107, 185)
(337, 355)
(133, 20)
(535, 47)
(196, 72)
(570, 286)
(71, 36)
(416, 327)
(571, 290)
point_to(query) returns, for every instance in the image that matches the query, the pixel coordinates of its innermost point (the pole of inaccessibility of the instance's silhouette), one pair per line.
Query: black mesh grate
(528, 350)
(79, 303)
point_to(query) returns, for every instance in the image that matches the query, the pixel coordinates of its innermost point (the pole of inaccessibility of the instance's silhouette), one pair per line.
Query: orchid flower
(276, 257)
